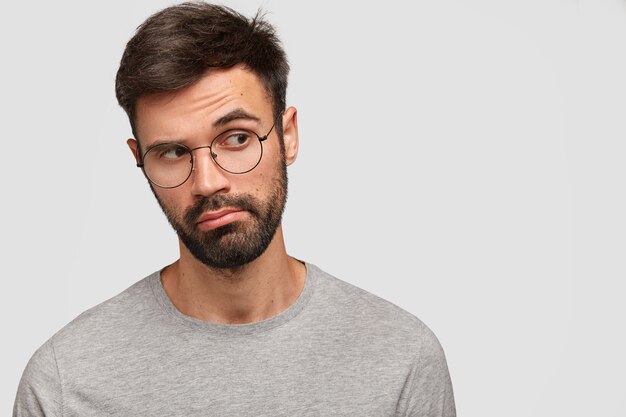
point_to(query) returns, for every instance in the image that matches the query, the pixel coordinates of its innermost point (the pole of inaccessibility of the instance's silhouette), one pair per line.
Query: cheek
(265, 178)
(271, 163)
(173, 201)
(253, 184)
(259, 179)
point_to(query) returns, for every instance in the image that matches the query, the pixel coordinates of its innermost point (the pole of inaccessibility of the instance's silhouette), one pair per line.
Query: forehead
(195, 109)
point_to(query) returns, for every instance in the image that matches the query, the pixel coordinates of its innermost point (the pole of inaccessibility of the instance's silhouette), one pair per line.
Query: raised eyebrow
(165, 142)
(237, 114)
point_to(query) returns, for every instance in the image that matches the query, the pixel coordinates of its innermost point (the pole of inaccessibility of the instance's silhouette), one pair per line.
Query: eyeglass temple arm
(140, 162)
(268, 133)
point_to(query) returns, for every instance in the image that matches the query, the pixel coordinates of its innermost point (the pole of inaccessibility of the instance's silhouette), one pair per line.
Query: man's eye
(171, 152)
(235, 140)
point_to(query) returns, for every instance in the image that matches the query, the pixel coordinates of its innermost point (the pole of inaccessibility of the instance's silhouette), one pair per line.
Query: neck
(253, 292)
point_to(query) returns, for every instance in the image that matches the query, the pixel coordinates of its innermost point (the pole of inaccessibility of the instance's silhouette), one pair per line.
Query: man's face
(225, 220)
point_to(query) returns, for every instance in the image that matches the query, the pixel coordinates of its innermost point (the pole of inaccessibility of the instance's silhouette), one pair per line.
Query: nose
(207, 178)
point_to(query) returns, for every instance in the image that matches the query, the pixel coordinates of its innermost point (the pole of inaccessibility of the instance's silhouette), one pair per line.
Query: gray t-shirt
(337, 351)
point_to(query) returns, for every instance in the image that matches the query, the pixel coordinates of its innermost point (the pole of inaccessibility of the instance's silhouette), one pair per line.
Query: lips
(213, 220)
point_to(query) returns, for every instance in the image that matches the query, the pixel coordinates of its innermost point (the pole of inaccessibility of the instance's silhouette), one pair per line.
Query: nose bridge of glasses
(206, 176)
(194, 156)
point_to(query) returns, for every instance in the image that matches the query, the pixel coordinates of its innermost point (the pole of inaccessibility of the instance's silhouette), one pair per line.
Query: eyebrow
(236, 114)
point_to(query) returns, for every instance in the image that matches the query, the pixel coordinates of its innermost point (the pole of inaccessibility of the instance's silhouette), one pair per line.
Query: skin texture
(271, 282)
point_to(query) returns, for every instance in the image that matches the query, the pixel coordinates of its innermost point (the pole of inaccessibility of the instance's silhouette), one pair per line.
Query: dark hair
(174, 48)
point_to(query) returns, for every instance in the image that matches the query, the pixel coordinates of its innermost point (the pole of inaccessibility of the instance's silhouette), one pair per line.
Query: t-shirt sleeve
(428, 389)
(39, 391)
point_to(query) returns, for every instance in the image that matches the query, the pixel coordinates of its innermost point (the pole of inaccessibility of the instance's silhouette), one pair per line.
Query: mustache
(242, 202)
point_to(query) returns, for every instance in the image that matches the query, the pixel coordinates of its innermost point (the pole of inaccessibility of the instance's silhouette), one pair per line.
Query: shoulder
(106, 323)
(361, 311)
(39, 392)
(389, 340)
(134, 301)
(77, 344)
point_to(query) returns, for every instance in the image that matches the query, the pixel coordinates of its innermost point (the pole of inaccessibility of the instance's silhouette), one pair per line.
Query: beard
(238, 243)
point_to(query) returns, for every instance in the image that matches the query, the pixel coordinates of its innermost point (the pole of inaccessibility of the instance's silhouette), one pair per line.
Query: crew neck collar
(281, 318)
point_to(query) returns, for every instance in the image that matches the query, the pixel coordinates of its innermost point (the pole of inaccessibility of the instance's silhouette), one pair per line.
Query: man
(235, 326)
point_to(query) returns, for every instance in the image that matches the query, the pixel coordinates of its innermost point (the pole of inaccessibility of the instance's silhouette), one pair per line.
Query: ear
(290, 134)
(134, 148)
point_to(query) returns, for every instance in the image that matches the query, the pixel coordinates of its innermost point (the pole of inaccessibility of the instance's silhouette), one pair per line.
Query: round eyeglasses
(170, 164)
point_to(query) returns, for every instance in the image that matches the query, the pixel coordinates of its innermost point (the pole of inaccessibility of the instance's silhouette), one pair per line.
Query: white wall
(464, 159)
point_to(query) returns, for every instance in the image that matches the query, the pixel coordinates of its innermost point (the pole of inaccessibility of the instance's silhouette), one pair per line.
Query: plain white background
(464, 159)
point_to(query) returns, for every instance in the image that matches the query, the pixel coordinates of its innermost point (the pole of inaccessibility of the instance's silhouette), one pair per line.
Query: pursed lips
(213, 220)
